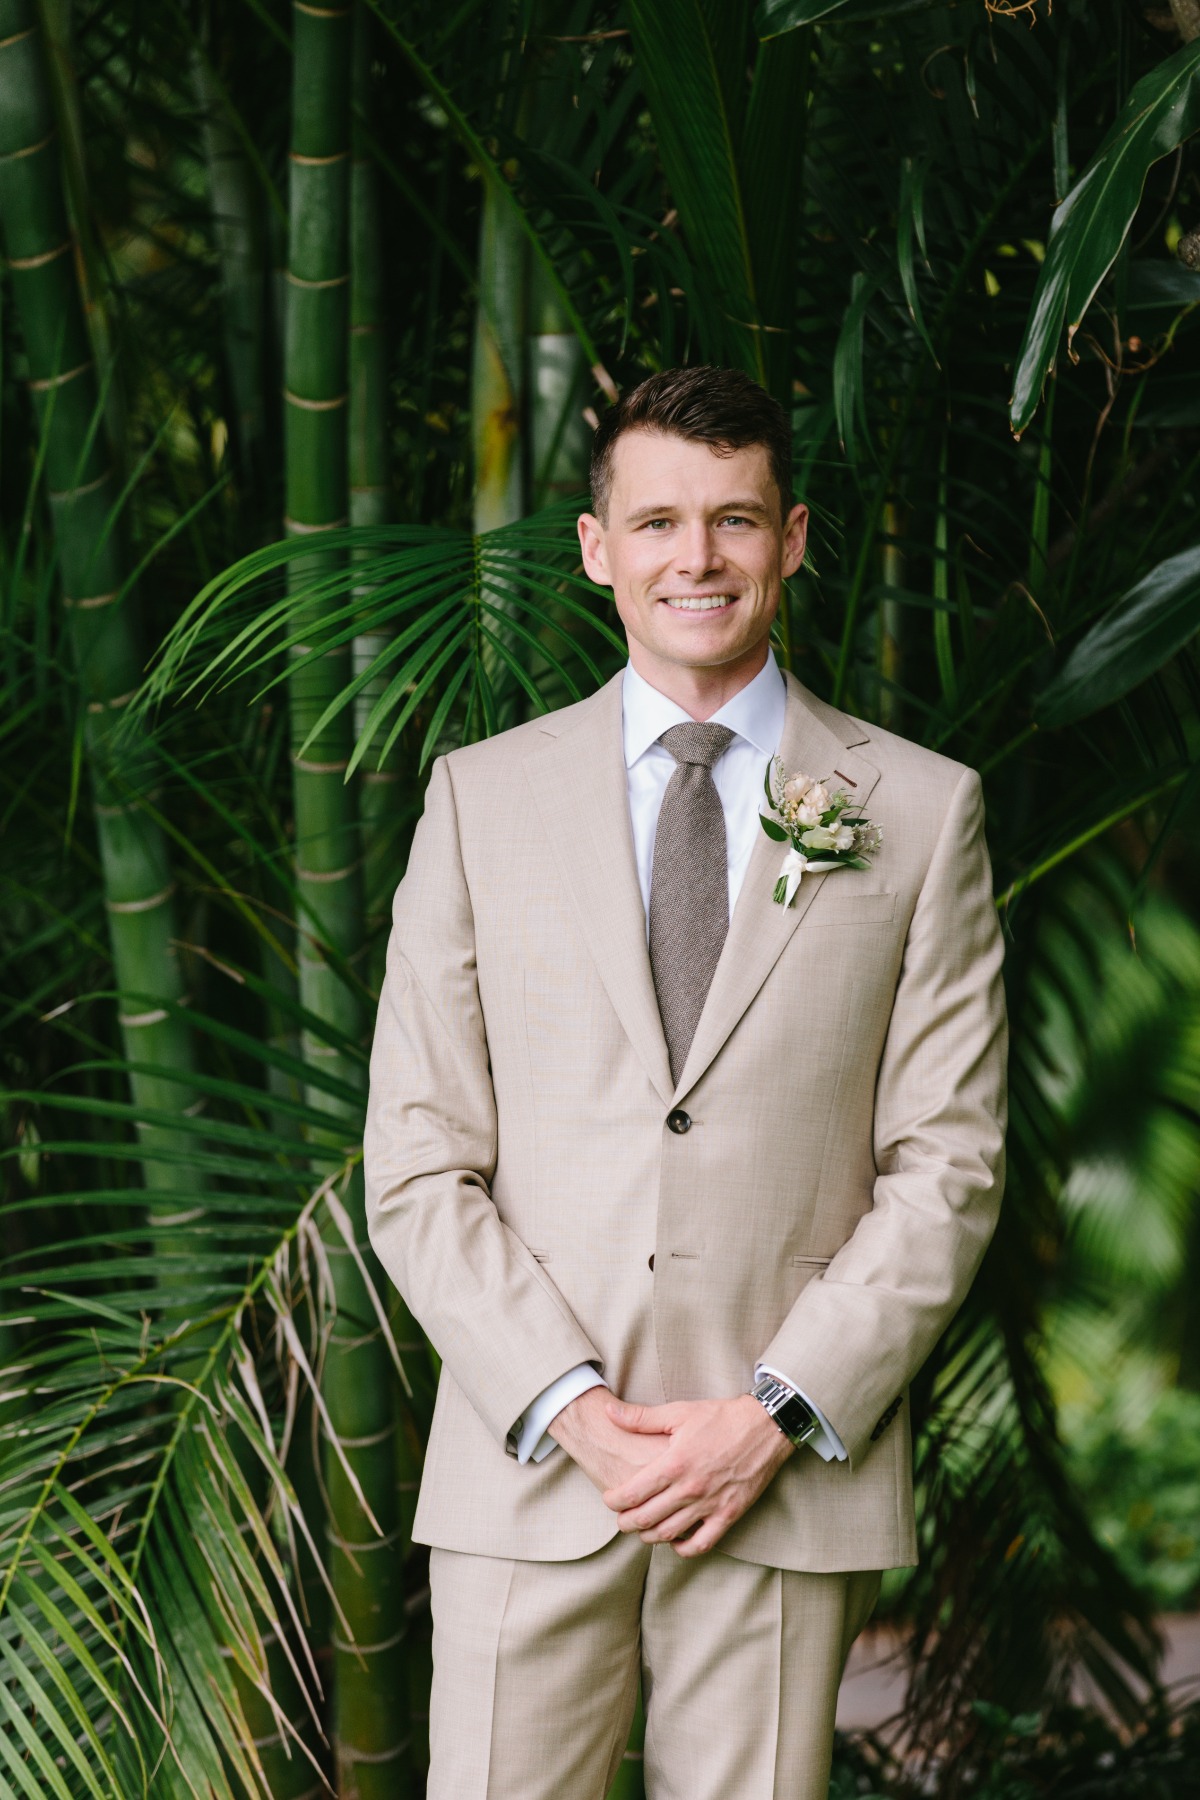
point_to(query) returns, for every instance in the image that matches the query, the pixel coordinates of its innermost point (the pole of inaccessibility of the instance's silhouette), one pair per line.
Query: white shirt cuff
(533, 1440)
(827, 1444)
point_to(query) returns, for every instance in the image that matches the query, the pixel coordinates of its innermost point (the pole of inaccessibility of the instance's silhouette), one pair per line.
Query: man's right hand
(605, 1451)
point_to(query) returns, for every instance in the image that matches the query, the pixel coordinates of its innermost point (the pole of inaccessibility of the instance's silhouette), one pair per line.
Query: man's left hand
(721, 1455)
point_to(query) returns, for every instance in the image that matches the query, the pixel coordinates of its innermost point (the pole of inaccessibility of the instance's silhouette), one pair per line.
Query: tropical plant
(204, 1588)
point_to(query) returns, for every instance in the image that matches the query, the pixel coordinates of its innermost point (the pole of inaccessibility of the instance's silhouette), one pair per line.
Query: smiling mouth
(699, 602)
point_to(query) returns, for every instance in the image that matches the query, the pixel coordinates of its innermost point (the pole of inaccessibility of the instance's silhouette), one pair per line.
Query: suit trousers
(536, 1666)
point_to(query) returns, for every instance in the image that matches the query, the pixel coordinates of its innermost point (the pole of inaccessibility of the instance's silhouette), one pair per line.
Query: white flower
(867, 839)
(808, 815)
(795, 788)
(818, 797)
(842, 837)
(821, 837)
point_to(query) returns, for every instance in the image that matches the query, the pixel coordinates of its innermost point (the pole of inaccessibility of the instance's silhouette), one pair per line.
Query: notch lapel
(580, 789)
(759, 929)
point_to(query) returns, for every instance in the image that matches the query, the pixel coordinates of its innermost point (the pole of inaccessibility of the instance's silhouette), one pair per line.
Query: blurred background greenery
(309, 311)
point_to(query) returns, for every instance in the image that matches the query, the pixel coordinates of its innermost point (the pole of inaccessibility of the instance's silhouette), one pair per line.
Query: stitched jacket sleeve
(858, 1336)
(496, 1319)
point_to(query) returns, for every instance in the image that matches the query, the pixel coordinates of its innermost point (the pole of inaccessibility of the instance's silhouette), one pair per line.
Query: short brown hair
(722, 408)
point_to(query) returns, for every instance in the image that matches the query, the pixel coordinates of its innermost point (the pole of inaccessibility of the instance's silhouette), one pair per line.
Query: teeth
(707, 604)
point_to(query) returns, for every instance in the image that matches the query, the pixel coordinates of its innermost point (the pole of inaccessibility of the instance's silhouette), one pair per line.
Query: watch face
(797, 1419)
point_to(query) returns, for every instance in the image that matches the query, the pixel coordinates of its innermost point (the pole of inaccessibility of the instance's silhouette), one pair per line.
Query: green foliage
(1069, 1753)
(1140, 1483)
(1136, 636)
(858, 208)
(1093, 220)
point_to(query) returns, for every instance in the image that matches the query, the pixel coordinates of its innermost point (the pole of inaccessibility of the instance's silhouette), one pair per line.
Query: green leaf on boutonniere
(857, 862)
(767, 787)
(772, 829)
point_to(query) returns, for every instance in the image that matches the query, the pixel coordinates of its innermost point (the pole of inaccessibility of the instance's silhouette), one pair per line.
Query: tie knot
(696, 743)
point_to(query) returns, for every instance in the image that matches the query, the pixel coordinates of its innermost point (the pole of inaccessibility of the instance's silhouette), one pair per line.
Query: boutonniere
(820, 826)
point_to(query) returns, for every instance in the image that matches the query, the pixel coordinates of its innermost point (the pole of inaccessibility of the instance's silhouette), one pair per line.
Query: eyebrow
(727, 506)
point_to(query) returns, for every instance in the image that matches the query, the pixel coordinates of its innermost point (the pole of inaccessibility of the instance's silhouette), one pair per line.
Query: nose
(696, 553)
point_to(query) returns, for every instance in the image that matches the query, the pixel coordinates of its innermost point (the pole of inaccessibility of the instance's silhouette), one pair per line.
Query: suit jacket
(824, 1208)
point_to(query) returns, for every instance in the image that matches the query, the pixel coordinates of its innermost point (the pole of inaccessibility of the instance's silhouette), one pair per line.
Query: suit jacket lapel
(816, 740)
(580, 789)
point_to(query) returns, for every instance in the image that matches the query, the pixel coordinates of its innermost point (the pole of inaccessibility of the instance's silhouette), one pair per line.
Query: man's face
(695, 552)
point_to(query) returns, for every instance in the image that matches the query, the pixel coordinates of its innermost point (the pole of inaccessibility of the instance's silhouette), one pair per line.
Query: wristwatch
(794, 1417)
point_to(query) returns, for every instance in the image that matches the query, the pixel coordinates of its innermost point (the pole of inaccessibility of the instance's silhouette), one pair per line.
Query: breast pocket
(832, 908)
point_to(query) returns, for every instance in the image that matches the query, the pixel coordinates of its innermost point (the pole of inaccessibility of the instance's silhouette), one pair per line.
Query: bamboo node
(97, 706)
(317, 162)
(331, 281)
(89, 487)
(347, 1757)
(139, 906)
(327, 874)
(320, 768)
(321, 12)
(182, 1218)
(30, 149)
(93, 599)
(384, 1543)
(363, 1443)
(147, 1018)
(315, 405)
(389, 1643)
(44, 383)
(18, 37)
(297, 527)
(47, 256)
(279, 1737)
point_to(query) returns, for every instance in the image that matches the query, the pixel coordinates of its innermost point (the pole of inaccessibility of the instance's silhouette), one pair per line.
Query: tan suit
(824, 1210)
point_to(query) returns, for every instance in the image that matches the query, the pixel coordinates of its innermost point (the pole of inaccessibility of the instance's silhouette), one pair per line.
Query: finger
(677, 1528)
(669, 1504)
(631, 1417)
(705, 1538)
(649, 1481)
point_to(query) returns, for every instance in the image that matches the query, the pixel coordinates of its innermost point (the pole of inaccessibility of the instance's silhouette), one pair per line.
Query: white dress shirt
(755, 716)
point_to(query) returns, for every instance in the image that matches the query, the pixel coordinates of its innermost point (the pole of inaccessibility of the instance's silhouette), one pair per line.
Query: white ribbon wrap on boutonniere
(791, 869)
(811, 816)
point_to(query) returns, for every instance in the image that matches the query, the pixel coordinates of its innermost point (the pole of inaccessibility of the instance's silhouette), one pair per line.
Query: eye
(651, 524)
(736, 519)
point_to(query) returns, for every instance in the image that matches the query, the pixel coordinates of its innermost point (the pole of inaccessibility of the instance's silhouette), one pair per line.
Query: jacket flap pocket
(832, 908)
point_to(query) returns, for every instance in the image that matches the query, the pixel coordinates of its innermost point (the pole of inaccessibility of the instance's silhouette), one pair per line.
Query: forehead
(655, 467)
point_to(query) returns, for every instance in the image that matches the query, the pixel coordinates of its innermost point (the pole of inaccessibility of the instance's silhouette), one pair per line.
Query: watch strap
(793, 1415)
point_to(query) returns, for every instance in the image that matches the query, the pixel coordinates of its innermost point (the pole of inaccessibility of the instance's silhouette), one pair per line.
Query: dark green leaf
(1137, 636)
(774, 17)
(1091, 224)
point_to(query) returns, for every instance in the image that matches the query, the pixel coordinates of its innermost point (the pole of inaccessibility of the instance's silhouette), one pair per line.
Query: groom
(682, 1183)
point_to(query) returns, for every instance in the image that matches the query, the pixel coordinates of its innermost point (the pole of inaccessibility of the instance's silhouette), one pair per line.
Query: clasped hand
(682, 1473)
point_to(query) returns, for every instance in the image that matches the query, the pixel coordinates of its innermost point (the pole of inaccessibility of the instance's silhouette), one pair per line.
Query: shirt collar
(755, 713)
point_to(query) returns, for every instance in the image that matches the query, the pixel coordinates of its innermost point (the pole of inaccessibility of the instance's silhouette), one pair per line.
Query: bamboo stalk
(560, 437)
(498, 406)
(370, 499)
(370, 1734)
(238, 236)
(100, 614)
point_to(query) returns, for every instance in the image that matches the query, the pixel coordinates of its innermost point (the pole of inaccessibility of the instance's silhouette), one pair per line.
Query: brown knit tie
(689, 885)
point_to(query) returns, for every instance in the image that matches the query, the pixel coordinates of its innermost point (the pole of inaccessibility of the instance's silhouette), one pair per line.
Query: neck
(699, 691)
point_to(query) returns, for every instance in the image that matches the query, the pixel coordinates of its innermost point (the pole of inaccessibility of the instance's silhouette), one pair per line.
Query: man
(683, 1183)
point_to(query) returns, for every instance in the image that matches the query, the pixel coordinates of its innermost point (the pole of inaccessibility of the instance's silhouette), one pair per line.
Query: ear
(592, 548)
(795, 536)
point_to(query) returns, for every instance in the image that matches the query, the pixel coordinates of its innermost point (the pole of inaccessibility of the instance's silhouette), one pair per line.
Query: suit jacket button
(650, 1265)
(679, 1121)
